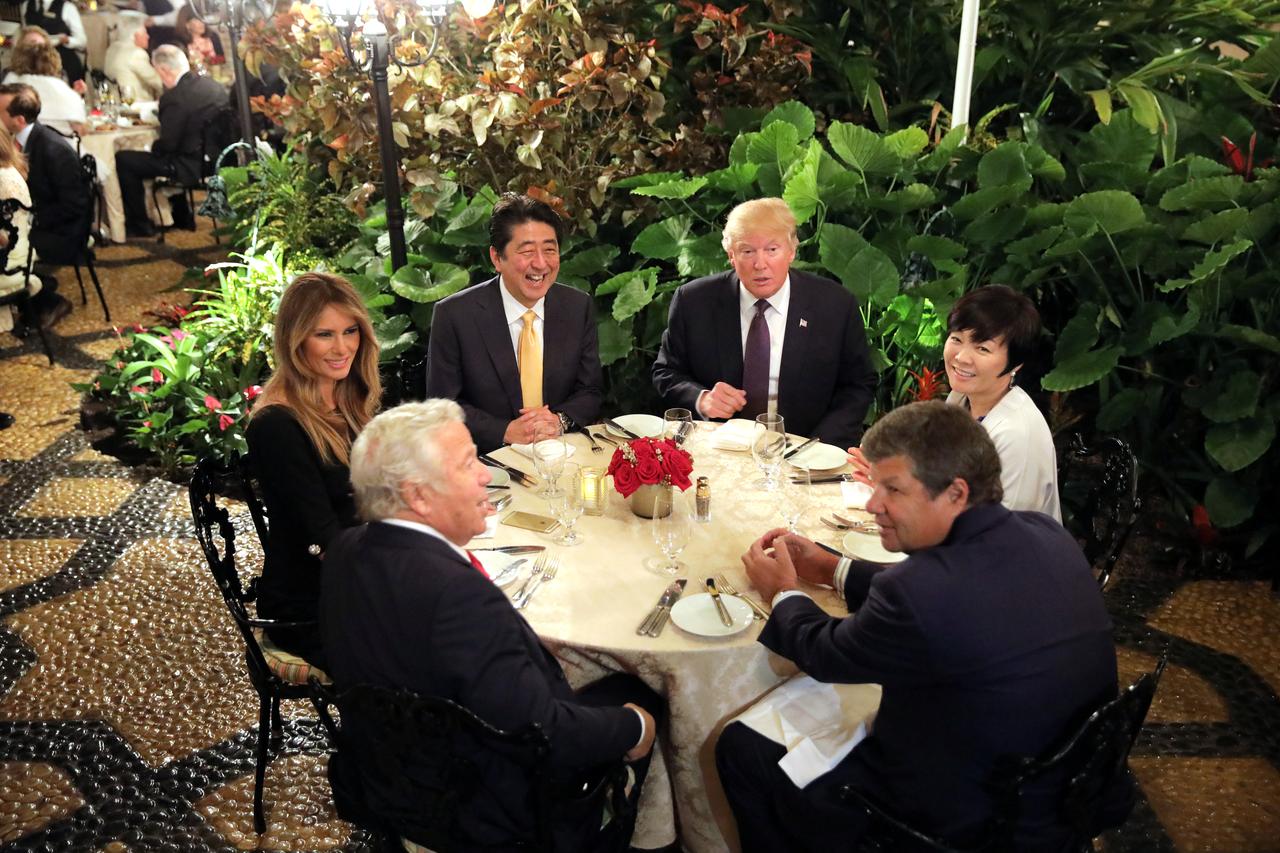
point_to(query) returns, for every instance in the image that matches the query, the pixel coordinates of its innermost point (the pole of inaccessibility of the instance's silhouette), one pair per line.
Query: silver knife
(516, 474)
(799, 447)
(660, 621)
(720, 608)
(817, 481)
(515, 549)
(610, 422)
(668, 595)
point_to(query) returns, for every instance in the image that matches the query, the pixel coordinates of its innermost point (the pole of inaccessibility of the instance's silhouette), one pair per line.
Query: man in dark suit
(59, 200)
(990, 639)
(189, 105)
(738, 340)
(518, 352)
(404, 606)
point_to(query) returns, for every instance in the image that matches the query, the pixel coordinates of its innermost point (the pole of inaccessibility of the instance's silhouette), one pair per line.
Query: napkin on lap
(819, 724)
(735, 434)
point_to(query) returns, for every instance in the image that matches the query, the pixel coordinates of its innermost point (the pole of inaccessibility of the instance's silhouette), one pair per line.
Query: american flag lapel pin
(804, 324)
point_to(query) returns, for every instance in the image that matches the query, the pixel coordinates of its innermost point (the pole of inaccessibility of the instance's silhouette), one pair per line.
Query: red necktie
(476, 563)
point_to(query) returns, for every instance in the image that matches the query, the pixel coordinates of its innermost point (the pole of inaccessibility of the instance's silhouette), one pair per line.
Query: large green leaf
(996, 227)
(634, 294)
(1237, 400)
(1005, 166)
(673, 189)
(1213, 261)
(1120, 410)
(801, 191)
(1166, 328)
(580, 267)
(1080, 333)
(1033, 246)
(1081, 370)
(1043, 165)
(982, 201)
(908, 142)
(616, 340)
(1214, 228)
(936, 248)
(664, 239)
(861, 148)
(838, 246)
(1250, 336)
(423, 284)
(1122, 140)
(737, 179)
(1239, 444)
(1229, 501)
(646, 179)
(909, 198)
(1203, 194)
(841, 191)
(777, 144)
(701, 256)
(877, 281)
(1112, 211)
(795, 114)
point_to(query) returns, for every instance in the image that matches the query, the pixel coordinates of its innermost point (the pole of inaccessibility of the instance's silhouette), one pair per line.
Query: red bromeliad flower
(138, 389)
(929, 383)
(252, 391)
(225, 421)
(650, 461)
(211, 403)
(156, 376)
(1236, 159)
(1205, 532)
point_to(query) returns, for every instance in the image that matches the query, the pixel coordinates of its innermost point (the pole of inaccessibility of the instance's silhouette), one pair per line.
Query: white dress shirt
(76, 39)
(514, 312)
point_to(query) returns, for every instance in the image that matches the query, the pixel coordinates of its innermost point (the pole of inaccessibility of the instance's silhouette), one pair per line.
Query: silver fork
(538, 566)
(729, 589)
(595, 446)
(552, 565)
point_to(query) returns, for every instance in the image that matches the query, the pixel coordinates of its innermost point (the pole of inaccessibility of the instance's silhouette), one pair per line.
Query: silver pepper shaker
(702, 500)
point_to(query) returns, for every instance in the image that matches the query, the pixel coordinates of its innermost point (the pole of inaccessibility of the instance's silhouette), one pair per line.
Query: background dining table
(588, 615)
(103, 141)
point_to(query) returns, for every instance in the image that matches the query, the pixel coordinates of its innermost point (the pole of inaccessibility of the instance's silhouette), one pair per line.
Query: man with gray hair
(192, 111)
(404, 606)
(989, 639)
(129, 65)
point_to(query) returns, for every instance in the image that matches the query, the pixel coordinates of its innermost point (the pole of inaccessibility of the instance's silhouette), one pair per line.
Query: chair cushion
(286, 665)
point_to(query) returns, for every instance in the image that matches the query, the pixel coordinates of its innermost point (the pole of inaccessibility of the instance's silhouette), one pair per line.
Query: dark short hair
(997, 311)
(25, 103)
(943, 443)
(515, 209)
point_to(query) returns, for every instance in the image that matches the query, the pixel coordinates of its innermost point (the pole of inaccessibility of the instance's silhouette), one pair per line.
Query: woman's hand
(861, 468)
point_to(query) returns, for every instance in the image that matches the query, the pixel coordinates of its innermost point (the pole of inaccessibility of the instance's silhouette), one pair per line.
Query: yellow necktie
(530, 348)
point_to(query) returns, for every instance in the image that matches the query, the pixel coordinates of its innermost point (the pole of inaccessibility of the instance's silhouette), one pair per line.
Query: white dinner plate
(641, 425)
(500, 477)
(697, 614)
(495, 562)
(866, 546)
(820, 457)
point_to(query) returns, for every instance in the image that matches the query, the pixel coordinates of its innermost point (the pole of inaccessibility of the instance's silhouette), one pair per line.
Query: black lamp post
(235, 14)
(379, 50)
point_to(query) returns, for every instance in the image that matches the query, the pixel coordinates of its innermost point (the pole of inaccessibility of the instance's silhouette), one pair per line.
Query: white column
(964, 64)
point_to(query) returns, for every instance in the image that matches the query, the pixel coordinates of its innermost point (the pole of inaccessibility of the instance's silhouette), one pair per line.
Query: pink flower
(156, 376)
(211, 403)
(119, 365)
(138, 327)
(138, 389)
(225, 421)
(252, 391)
(147, 424)
(178, 334)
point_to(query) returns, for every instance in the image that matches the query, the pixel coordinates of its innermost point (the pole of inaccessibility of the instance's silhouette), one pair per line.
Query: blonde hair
(296, 386)
(759, 216)
(35, 58)
(397, 447)
(9, 154)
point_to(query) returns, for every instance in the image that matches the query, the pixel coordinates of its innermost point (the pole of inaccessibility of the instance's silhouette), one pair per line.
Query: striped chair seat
(286, 665)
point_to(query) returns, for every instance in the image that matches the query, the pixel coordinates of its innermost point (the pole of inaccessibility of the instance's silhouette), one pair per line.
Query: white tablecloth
(103, 145)
(588, 615)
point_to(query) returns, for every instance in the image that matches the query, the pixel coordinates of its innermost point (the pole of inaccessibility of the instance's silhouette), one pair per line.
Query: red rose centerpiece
(647, 468)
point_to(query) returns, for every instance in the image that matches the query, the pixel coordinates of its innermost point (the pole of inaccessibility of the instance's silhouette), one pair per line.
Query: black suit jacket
(58, 191)
(184, 111)
(402, 609)
(995, 642)
(826, 381)
(471, 359)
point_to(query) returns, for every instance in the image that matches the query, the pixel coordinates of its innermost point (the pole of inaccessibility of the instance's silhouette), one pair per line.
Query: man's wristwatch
(566, 422)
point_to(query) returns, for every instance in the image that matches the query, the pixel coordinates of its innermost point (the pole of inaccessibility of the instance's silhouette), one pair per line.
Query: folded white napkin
(735, 434)
(490, 528)
(855, 495)
(527, 450)
(818, 723)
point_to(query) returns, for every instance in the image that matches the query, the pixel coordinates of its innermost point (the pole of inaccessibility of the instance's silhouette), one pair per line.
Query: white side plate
(697, 614)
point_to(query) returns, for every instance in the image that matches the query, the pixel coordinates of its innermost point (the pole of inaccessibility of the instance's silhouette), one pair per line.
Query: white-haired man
(189, 105)
(404, 606)
(129, 65)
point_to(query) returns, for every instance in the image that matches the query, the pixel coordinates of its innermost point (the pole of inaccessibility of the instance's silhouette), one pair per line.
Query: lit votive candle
(593, 491)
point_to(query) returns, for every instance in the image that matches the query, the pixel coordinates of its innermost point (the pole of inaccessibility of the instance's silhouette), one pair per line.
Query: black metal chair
(1099, 490)
(1091, 759)
(418, 754)
(79, 253)
(215, 135)
(19, 298)
(275, 675)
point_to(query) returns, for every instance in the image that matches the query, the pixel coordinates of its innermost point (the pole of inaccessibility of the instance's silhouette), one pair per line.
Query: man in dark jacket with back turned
(187, 107)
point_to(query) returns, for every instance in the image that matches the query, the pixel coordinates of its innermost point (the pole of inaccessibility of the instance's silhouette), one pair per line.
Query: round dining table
(587, 615)
(103, 141)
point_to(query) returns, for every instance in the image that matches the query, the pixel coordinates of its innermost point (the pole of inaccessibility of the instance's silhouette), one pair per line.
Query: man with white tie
(763, 331)
(990, 639)
(519, 352)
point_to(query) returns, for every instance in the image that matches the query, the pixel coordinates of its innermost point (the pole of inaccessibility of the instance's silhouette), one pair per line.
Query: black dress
(308, 501)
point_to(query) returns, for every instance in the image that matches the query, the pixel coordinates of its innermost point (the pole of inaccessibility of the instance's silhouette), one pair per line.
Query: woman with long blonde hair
(325, 388)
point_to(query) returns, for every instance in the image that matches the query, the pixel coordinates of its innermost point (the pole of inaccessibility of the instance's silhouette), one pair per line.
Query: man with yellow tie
(518, 352)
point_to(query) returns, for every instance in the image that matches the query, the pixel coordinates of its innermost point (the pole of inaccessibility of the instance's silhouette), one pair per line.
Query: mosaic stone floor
(126, 723)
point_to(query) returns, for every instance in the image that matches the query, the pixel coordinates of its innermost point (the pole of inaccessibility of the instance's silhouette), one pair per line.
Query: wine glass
(795, 495)
(767, 447)
(677, 424)
(549, 456)
(126, 94)
(567, 503)
(671, 531)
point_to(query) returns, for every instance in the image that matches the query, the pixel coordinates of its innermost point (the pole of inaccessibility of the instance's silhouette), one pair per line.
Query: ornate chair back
(1099, 487)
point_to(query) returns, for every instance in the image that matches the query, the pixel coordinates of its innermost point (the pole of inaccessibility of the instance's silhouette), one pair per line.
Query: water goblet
(548, 460)
(767, 448)
(677, 424)
(567, 504)
(795, 495)
(671, 531)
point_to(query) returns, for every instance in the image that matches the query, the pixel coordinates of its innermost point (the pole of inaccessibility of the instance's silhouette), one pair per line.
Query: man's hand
(861, 467)
(770, 568)
(641, 749)
(80, 87)
(63, 38)
(534, 424)
(811, 562)
(722, 401)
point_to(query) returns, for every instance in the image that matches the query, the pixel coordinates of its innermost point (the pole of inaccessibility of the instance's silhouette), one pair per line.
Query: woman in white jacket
(13, 184)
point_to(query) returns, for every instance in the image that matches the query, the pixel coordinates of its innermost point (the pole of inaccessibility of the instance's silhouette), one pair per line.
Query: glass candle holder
(593, 492)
